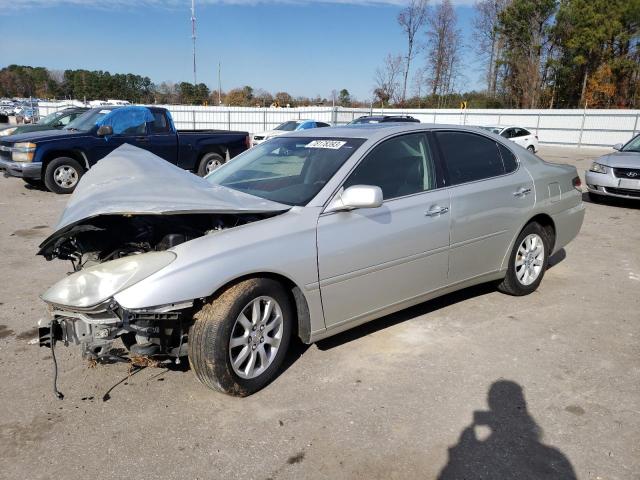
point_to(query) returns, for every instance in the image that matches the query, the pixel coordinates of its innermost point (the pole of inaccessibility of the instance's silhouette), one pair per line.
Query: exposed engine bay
(109, 237)
(159, 331)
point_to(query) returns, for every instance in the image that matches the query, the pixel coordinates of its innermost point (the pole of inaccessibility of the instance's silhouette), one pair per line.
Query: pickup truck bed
(59, 158)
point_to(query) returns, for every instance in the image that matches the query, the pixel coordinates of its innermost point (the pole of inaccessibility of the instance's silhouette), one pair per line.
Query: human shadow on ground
(513, 448)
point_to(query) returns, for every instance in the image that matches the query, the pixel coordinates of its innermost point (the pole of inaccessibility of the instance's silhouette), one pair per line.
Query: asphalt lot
(402, 397)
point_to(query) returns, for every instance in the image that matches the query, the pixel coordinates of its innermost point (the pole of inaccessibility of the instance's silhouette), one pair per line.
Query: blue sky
(305, 48)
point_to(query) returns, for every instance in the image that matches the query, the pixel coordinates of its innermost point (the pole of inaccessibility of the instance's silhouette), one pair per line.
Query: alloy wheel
(65, 176)
(255, 337)
(529, 259)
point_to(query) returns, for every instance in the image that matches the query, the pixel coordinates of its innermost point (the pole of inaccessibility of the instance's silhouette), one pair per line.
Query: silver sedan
(616, 174)
(307, 234)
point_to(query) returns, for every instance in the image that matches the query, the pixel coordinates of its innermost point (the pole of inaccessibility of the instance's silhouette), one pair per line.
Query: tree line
(534, 54)
(17, 81)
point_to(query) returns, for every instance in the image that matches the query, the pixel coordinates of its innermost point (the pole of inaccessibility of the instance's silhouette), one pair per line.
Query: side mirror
(356, 196)
(105, 130)
(618, 146)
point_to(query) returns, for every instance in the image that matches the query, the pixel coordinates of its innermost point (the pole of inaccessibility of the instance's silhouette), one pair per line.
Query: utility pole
(219, 85)
(193, 37)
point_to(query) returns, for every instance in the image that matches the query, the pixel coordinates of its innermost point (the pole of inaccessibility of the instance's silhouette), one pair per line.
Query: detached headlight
(96, 284)
(597, 168)
(7, 131)
(23, 151)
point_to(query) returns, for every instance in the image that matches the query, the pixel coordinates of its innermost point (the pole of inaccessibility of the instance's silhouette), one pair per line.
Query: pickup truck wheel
(209, 163)
(239, 339)
(63, 174)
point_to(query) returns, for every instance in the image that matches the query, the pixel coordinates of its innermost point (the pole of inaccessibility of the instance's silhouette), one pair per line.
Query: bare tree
(444, 42)
(487, 40)
(412, 19)
(386, 79)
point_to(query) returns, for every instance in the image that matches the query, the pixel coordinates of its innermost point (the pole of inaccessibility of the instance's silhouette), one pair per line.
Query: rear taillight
(577, 183)
(247, 142)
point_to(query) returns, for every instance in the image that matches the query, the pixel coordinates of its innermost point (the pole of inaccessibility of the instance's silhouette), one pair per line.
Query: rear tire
(63, 174)
(228, 329)
(528, 261)
(209, 162)
(531, 148)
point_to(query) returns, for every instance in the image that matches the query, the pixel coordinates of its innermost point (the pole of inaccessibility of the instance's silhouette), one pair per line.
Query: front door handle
(436, 210)
(522, 192)
(142, 139)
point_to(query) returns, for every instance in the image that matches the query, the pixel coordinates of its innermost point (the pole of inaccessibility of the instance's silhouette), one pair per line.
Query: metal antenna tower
(193, 37)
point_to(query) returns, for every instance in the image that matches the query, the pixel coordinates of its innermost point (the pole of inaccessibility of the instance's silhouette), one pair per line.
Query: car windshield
(49, 119)
(286, 170)
(87, 120)
(288, 126)
(632, 146)
(495, 130)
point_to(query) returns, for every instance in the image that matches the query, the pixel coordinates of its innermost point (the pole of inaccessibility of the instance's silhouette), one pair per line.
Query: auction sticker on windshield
(331, 144)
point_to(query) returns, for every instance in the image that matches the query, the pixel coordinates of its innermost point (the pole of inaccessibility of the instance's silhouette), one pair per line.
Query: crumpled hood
(620, 160)
(131, 180)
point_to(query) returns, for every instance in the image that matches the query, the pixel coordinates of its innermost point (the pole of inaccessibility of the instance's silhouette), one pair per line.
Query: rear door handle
(142, 139)
(522, 192)
(436, 210)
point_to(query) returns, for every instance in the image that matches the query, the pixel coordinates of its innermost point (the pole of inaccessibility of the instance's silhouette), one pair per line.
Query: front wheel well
(49, 156)
(302, 326)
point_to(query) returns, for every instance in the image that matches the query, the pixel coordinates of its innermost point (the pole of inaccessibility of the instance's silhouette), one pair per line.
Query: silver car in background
(616, 174)
(308, 234)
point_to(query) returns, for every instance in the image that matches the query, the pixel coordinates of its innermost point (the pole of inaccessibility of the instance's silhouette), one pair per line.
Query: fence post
(264, 120)
(435, 113)
(229, 119)
(584, 114)
(334, 116)
(538, 124)
(635, 125)
(193, 119)
(499, 118)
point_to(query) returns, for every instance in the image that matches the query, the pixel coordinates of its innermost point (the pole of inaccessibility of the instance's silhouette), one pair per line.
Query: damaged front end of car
(120, 230)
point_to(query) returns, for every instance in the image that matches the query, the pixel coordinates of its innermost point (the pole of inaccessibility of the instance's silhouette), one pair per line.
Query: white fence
(582, 128)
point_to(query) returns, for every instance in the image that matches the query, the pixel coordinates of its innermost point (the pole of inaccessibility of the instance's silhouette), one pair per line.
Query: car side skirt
(359, 320)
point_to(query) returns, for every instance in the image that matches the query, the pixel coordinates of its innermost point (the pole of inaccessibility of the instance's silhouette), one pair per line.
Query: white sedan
(519, 135)
(286, 127)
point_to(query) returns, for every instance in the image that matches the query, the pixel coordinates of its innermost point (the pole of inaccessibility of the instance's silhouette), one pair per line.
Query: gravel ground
(473, 385)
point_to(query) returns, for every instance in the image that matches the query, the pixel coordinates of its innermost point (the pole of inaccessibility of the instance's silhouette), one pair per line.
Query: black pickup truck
(59, 158)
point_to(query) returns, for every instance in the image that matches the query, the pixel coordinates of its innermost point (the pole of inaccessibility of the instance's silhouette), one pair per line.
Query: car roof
(378, 131)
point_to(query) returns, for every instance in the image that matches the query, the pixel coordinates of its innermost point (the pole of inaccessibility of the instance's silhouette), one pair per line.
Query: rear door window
(508, 159)
(160, 123)
(469, 157)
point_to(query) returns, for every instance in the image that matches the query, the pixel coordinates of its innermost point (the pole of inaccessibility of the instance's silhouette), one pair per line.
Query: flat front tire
(240, 338)
(63, 174)
(528, 260)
